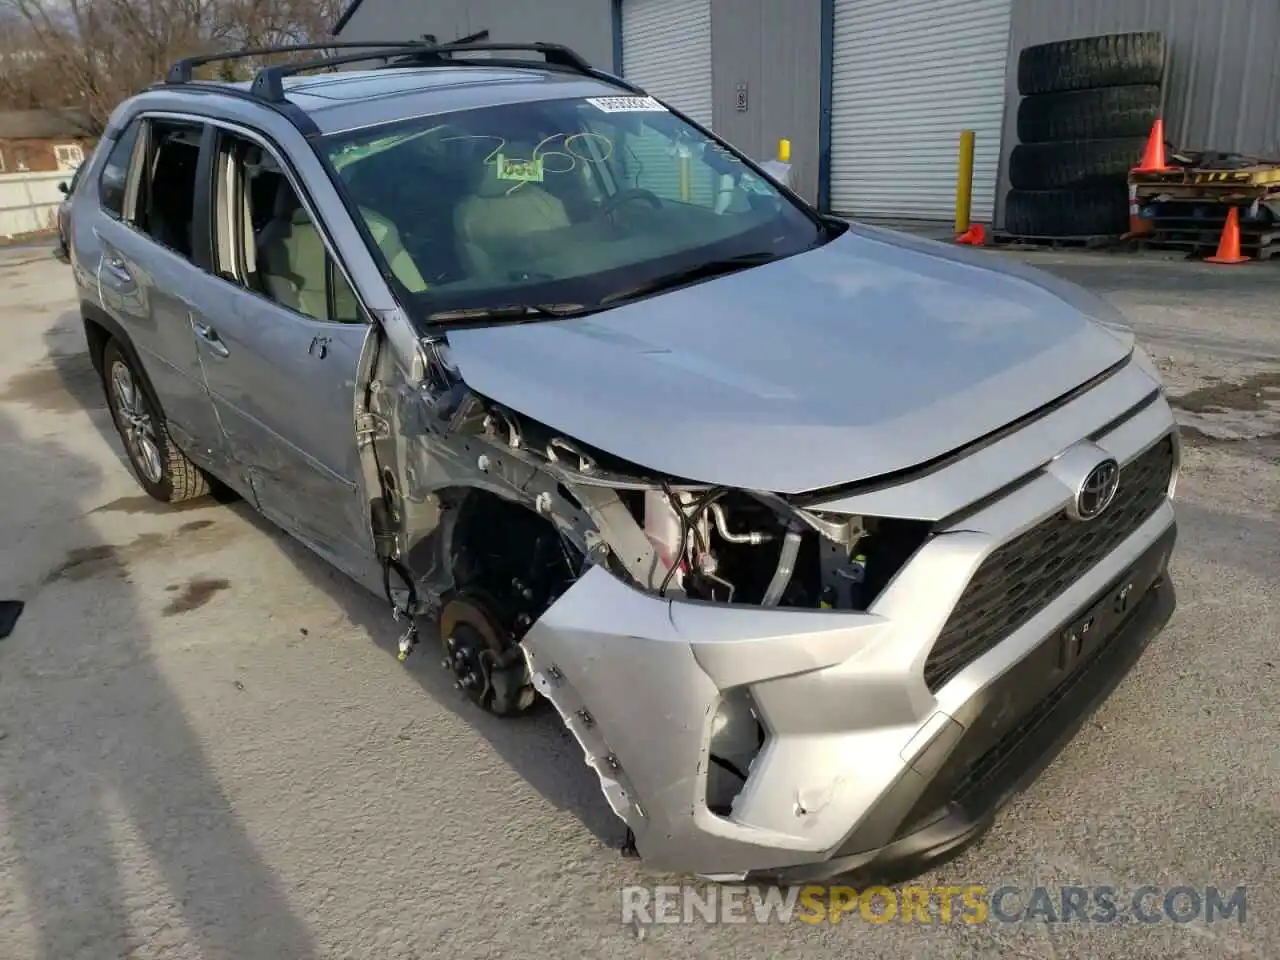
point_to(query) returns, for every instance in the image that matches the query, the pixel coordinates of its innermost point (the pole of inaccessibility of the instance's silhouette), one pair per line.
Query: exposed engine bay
(502, 516)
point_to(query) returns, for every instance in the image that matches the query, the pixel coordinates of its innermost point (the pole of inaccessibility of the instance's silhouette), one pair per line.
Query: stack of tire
(1086, 110)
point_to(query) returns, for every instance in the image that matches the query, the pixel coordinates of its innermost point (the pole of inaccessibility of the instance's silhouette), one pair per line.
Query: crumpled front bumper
(858, 753)
(861, 765)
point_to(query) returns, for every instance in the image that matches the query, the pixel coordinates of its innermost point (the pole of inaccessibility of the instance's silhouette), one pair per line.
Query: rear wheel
(161, 468)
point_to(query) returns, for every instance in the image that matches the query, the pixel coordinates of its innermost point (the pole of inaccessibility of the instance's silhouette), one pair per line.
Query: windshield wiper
(703, 271)
(508, 313)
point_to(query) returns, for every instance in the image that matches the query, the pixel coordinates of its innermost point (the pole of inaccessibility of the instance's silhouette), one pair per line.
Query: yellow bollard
(686, 187)
(964, 182)
(784, 151)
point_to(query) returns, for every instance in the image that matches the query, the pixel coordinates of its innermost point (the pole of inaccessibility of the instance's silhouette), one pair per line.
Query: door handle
(319, 347)
(210, 337)
(118, 266)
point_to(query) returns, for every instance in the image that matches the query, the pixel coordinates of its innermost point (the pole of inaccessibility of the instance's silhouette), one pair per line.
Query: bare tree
(24, 79)
(94, 53)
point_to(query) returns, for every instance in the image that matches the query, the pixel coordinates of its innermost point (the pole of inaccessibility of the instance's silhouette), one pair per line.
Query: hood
(871, 354)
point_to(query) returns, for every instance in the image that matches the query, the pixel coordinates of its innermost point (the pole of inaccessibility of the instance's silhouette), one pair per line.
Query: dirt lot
(208, 750)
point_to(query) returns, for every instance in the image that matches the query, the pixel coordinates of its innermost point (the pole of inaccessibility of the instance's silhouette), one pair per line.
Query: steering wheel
(627, 196)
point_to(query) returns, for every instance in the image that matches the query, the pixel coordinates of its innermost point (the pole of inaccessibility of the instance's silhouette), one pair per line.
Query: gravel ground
(208, 750)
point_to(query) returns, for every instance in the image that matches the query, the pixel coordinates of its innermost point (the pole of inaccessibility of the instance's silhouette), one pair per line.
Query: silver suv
(821, 540)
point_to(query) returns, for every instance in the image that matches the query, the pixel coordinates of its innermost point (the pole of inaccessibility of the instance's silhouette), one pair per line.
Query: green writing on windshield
(521, 171)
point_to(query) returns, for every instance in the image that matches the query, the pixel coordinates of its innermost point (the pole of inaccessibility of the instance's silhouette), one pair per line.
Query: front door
(280, 343)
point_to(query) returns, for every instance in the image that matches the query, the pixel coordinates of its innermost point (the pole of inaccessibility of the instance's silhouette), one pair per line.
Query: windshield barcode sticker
(627, 104)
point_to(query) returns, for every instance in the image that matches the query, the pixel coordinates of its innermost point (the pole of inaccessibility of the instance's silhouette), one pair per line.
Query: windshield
(563, 201)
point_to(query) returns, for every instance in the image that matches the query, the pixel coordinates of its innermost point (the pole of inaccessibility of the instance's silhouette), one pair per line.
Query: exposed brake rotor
(486, 662)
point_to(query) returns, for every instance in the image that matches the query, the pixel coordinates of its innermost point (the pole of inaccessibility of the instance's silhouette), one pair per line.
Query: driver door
(281, 348)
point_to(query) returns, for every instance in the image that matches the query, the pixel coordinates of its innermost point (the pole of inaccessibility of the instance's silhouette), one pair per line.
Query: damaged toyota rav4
(820, 539)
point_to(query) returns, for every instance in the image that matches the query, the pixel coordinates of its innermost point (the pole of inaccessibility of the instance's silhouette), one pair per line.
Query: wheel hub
(463, 657)
(484, 659)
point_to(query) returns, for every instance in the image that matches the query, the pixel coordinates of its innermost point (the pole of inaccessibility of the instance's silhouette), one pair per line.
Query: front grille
(1021, 577)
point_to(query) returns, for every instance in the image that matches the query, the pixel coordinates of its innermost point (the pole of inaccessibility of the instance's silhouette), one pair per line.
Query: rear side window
(114, 182)
(167, 207)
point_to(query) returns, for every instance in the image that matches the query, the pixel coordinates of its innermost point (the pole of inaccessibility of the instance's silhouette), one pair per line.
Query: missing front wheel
(486, 662)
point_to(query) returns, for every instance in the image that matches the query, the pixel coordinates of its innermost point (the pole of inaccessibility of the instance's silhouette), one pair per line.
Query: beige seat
(502, 210)
(292, 258)
(387, 237)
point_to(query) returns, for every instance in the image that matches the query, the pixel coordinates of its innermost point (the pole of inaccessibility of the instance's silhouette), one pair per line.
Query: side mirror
(63, 188)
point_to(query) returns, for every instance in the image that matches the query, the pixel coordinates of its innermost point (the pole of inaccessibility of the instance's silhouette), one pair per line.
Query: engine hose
(786, 567)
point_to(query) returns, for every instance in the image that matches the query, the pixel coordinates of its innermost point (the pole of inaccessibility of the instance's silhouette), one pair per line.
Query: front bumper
(995, 752)
(859, 765)
(832, 791)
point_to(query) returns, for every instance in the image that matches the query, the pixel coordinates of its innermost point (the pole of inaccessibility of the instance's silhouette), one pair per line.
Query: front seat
(499, 210)
(387, 237)
(292, 257)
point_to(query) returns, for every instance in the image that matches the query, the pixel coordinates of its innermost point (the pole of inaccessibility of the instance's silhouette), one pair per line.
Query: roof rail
(556, 54)
(269, 82)
(182, 71)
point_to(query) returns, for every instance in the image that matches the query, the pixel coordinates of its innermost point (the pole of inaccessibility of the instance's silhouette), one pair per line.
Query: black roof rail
(290, 111)
(556, 54)
(269, 83)
(183, 70)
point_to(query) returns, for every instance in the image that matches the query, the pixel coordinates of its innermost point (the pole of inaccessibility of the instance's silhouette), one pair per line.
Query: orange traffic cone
(1229, 245)
(1153, 157)
(975, 236)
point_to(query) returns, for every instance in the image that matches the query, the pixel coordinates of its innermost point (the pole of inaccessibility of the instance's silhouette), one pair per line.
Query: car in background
(68, 189)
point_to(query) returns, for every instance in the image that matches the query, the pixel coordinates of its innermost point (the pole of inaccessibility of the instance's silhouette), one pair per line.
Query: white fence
(29, 202)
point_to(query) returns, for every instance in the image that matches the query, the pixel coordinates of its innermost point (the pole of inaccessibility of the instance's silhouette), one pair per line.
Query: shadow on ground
(65, 381)
(536, 745)
(103, 780)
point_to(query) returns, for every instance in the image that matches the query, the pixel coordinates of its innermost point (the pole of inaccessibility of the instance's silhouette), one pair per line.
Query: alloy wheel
(136, 423)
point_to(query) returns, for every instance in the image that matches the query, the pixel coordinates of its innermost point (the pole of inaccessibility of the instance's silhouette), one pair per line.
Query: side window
(167, 208)
(266, 241)
(114, 181)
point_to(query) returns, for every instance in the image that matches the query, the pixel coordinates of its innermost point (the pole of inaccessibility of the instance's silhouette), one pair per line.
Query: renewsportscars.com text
(971, 904)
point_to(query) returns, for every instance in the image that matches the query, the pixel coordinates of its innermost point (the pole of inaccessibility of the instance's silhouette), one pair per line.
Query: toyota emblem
(1097, 491)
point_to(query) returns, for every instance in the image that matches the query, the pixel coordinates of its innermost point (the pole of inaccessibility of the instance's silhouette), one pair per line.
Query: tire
(1102, 114)
(1073, 163)
(1099, 212)
(1113, 60)
(160, 467)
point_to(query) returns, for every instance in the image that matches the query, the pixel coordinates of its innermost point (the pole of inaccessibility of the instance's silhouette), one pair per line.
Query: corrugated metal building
(874, 93)
(1222, 81)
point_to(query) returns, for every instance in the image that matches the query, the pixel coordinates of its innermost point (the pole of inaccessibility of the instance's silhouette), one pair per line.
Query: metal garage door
(907, 77)
(666, 48)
